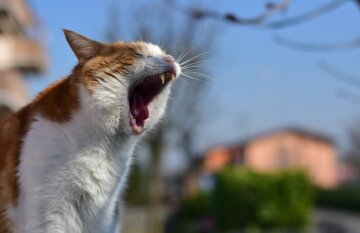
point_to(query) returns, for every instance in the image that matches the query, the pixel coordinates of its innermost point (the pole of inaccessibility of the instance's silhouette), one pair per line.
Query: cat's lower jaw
(72, 182)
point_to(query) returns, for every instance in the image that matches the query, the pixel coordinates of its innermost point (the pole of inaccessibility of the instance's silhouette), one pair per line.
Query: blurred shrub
(344, 198)
(197, 205)
(244, 199)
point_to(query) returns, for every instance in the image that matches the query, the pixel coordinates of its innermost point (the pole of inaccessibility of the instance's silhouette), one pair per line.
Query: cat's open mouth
(142, 94)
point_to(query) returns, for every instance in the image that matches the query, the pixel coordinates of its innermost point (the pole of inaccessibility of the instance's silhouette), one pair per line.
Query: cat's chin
(142, 94)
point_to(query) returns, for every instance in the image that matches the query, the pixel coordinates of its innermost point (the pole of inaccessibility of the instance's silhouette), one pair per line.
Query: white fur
(71, 174)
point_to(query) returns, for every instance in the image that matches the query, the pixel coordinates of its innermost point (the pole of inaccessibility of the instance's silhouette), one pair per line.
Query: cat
(64, 158)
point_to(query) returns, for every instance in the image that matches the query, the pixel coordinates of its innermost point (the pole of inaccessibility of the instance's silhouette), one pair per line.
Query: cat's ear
(83, 47)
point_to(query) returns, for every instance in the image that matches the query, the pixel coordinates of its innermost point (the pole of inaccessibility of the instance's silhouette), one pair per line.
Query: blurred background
(263, 127)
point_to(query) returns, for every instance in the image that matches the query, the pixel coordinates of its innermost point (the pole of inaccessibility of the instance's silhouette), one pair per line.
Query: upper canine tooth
(162, 77)
(173, 77)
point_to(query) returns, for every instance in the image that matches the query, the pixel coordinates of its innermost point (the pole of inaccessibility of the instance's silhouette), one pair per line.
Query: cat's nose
(168, 59)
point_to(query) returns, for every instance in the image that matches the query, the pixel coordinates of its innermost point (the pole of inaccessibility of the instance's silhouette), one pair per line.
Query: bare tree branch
(349, 96)
(260, 21)
(271, 10)
(308, 16)
(317, 47)
(340, 74)
(343, 77)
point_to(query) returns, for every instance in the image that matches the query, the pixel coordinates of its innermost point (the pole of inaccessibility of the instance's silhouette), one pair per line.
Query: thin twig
(308, 16)
(271, 10)
(317, 47)
(349, 96)
(261, 20)
(340, 74)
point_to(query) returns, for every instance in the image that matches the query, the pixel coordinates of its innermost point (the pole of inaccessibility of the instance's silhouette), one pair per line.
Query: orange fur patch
(58, 101)
(12, 132)
(113, 59)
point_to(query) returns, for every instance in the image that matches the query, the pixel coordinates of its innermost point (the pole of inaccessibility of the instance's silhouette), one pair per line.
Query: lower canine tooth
(162, 77)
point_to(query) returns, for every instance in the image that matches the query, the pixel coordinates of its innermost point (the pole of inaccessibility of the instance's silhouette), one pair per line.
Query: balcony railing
(21, 54)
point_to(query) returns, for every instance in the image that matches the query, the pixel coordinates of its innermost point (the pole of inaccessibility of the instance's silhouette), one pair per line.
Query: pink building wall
(279, 150)
(287, 149)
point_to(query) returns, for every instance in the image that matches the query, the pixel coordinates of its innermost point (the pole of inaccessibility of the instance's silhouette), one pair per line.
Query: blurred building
(20, 53)
(272, 151)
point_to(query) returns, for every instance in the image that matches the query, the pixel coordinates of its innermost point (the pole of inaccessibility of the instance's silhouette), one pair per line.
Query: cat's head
(127, 82)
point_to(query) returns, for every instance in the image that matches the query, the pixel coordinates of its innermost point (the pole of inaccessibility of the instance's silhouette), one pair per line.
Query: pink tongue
(138, 109)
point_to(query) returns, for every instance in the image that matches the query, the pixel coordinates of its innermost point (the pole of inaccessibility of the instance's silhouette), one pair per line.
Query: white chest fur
(70, 177)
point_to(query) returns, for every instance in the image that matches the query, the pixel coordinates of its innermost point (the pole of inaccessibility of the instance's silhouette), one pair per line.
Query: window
(284, 157)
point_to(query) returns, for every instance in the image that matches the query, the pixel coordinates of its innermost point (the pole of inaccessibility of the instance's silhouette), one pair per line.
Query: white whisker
(194, 57)
(205, 76)
(191, 48)
(197, 79)
(191, 67)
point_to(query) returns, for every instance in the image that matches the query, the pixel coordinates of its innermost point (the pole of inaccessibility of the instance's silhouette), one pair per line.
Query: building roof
(295, 130)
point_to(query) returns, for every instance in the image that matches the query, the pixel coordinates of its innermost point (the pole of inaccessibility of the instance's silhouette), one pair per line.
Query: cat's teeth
(173, 78)
(162, 77)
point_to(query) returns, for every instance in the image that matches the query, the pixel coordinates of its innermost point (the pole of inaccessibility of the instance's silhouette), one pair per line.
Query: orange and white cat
(64, 158)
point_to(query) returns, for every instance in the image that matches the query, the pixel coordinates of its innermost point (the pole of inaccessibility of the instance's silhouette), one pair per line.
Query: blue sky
(262, 85)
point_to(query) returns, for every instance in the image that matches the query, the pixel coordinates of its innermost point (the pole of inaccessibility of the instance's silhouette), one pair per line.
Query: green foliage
(244, 199)
(344, 198)
(198, 205)
(247, 199)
